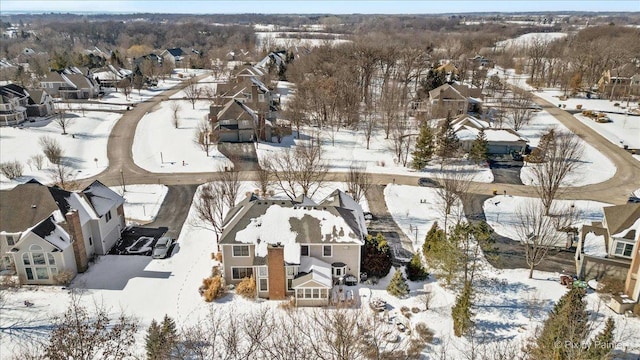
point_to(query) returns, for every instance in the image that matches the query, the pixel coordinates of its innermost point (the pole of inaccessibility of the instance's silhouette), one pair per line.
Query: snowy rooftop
(594, 245)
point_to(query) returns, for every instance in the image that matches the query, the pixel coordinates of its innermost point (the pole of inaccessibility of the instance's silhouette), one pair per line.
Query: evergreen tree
(415, 269)
(461, 311)
(398, 286)
(153, 339)
(433, 80)
(479, 152)
(433, 242)
(566, 324)
(447, 142)
(424, 147)
(602, 344)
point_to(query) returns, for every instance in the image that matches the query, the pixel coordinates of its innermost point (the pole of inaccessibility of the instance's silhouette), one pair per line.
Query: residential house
(111, 76)
(71, 84)
(610, 249)
(620, 82)
(40, 104)
(499, 141)
(45, 230)
(177, 56)
(13, 104)
(294, 248)
(236, 122)
(455, 99)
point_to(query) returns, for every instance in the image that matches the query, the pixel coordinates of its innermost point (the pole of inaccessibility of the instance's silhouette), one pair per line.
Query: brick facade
(79, 249)
(276, 269)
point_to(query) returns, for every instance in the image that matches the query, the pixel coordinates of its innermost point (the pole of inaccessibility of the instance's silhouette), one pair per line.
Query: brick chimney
(79, 249)
(254, 95)
(262, 127)
(277, 278)
(214, 109)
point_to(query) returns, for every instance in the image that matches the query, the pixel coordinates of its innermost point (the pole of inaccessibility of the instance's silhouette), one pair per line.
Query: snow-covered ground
(141, 202)
(507, 305)
(266, 39)
(526, 39)
(159, 147)
(501, 212)
(348, 148)
(85, 146)
(622, 130)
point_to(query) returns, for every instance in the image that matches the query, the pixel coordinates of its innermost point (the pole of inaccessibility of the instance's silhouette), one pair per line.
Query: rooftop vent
(33, 206)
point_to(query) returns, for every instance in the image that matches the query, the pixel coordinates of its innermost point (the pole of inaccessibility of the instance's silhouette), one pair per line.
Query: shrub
(376, 256)
(218, 257)
(424, 333)
(51, 149)
(398, 286)
(11, 169)
(212, 288)
(38, 161)
(415, 310)
(609, 285)
(63, 278)
(415, 269)
(247, 288)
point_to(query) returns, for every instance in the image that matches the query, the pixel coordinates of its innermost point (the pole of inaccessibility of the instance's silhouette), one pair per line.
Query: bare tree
(557, 156)
(209, 206)
(62, 118)
(519, 108)
(175, 116)
(62, 175)
(51, 149)
(192, 91)
(401, 141)
(263, 181)
(539, 232)
(80, 334)
(358, 183)
(230, 182)
(299, 171)
(204, 137)
(455, 185)
(369, 120)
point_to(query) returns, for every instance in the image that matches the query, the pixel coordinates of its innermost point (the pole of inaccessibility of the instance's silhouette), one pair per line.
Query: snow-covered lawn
(527, 39)
(501, 212)
(279, 38)
(622, 130)
(348, 148)
(594, 167)
(85, 147)
(159, 147)
(141, 202)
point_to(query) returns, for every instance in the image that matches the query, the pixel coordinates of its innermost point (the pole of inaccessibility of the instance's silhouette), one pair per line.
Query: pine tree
(479, 152)
(153, 339)
(415, 269)
(398, 285)
(566, 324)
(447, 142)
(424, 147)
(602, 344)
(433, 243)
(461, 311)
(169, 333)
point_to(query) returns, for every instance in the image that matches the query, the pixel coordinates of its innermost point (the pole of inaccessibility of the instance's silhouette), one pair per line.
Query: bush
(415, 269)
(218, 257)
(63, 278)
(376, 256)
(398, 286)
(11, 169)
(247, 288)
(424, 333)
(212, 288)
(38, 161)
(51, 149)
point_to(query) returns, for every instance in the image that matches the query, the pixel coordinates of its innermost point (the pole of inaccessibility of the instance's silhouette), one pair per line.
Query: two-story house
(293, 248)
(13, 104)
(454, 99)
(45, 230)
(71, 84)
(609, 249)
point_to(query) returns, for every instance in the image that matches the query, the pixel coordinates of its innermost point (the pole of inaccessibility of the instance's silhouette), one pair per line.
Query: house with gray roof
(293, 248)
(610, 249)
(45, 231)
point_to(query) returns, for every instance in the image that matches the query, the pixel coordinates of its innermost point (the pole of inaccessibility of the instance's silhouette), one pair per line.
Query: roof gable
(24, 206)
(52, 233)
(101, 198)
(621, 217)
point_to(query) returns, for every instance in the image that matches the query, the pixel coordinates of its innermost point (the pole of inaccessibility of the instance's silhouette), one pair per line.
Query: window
(51, 259)
(290, 271)
(316, 293)
(241, 250)
(338, 272)
(40, 265)
(38, 258)
(90, 241)
(261, 97)
(289, 284)
(304, 250)
(264, 285)
(25, 259)
(42, 273)
(241, 273)
(107, 216)
(29, 273)
(307, 293)
(10, 240)
(623, 249)
(326, 250)
(262, 271)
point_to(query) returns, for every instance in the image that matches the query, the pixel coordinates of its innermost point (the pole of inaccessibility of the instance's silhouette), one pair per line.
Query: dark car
(162, 247)
(427, 182)
(633, 200)
(516, 156)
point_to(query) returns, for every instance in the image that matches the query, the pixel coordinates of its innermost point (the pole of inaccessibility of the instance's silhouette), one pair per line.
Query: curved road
(614, 190)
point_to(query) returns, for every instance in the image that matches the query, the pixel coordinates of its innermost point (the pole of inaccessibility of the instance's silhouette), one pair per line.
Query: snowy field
(501, 212)
(266, 39)
(622, 130)
(159, 147)
(526, 39)
(348, 148)
(85, 147)
(141, 202)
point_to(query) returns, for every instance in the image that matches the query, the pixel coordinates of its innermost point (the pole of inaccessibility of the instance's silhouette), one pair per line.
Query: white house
(47, 230)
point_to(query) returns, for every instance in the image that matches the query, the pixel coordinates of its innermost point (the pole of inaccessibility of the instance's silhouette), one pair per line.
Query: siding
(230, 261)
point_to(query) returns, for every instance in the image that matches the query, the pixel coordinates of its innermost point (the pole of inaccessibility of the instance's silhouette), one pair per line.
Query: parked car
(427, 182)
(162, 247)
(368, 216)
(633, 200)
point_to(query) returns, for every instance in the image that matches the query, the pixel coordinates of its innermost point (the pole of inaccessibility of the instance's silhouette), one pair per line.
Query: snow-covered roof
(594, 245)
(52, 233)
(102, 198)
(316, 270)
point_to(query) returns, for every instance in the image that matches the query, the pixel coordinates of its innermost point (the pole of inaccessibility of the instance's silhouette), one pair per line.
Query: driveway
(243, 155)
(506, 170)
(174, 209)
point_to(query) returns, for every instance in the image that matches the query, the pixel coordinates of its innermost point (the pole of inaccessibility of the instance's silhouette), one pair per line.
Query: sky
(313, 7)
